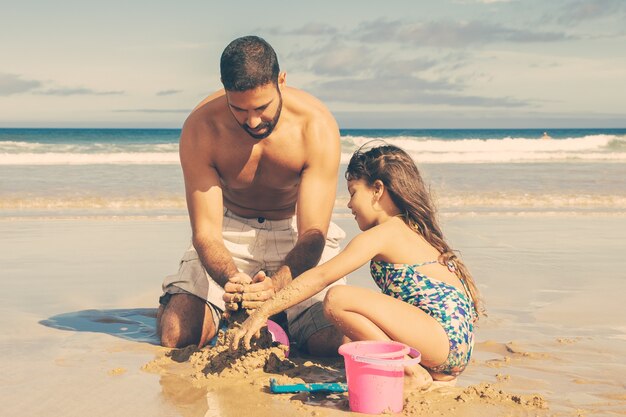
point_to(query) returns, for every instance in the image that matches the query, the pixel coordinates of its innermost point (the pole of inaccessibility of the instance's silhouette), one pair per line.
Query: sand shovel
(276, 388)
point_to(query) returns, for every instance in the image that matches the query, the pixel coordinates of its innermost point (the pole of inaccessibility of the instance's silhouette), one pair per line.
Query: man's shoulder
(315, 118)
(306, 103)
(206, 118)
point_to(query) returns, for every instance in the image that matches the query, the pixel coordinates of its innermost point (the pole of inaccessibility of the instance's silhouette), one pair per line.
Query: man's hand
(260, 290)
(234, 290)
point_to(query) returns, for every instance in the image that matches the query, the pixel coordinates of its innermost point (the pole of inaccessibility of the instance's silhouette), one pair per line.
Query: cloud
(152, 111)
(13, 84)
(475, 119)
(168, 92)
(309, 29)
(406, 90)
(68, 91)
(444, 33)
(337, 60)
(400, 68)
(341, 60)
(581, 10)
(482, 1)
(450, 34)
(359, 74)
(376, 31)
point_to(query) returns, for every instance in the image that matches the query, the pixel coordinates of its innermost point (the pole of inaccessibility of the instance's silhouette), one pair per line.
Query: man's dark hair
(248, 63)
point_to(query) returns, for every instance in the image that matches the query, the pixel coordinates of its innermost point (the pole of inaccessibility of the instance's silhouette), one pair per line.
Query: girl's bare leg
(363, 314)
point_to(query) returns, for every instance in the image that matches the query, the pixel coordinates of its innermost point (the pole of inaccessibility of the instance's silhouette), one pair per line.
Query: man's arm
(204, 203)
(316, 198)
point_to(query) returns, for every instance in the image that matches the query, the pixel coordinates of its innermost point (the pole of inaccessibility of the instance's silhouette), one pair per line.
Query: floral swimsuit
(444, 302)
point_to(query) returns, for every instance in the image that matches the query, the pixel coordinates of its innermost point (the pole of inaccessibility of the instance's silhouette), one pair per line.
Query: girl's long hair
(398, 172)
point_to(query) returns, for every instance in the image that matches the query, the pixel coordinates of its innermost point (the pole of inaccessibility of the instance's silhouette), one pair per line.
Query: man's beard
(268, 126)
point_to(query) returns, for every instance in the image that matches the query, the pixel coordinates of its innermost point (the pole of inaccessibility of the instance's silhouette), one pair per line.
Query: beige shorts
(255, 245)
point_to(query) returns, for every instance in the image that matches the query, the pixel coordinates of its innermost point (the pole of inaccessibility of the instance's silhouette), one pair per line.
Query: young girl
(429, 300)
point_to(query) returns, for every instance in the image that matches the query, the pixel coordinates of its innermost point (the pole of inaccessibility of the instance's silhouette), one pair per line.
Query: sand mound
(220, 360)
(218, 368)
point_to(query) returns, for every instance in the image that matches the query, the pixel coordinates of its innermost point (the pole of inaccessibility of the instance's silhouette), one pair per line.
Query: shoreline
(34, 216)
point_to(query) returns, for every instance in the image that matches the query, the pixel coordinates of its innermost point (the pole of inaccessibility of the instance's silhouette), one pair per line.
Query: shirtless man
(260, 163)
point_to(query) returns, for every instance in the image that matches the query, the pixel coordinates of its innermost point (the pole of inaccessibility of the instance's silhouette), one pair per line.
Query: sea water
(136, 172)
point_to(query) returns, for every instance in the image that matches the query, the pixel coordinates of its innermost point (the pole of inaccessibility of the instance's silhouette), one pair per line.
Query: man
(260, 163)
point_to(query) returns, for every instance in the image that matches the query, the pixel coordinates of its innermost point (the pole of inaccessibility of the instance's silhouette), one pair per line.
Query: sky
(375, 64)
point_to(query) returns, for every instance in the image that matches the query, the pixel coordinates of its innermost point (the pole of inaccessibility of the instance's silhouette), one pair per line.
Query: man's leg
(195, 305)
(314, 333)
(325, 342)
(185, 320)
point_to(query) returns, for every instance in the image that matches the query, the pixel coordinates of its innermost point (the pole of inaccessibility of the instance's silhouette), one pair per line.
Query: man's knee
(325, 342)
(171, 336)
(184, 321)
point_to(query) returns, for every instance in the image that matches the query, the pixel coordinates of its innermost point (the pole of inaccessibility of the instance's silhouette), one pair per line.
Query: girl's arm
(358, 252)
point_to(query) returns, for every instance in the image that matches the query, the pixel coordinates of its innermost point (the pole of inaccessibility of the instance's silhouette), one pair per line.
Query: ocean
(136, 172)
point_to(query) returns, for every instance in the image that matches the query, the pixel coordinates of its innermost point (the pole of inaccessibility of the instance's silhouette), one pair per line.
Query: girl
(429, 300)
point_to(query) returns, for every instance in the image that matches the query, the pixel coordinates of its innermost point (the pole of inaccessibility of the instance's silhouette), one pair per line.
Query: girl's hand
(249, 328)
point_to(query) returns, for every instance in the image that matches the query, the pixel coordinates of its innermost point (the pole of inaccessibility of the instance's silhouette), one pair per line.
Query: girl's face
(361, 203)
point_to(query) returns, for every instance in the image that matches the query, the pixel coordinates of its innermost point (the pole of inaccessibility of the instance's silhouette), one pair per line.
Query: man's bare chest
(261, 170)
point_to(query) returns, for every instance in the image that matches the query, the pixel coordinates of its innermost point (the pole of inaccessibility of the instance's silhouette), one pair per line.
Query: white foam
(173, 205)
(600, 148)
(603, 148)
(55, 158)
(90, 202)
(522, 201)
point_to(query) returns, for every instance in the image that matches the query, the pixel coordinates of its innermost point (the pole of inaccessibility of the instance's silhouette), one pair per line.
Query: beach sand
(80, 295)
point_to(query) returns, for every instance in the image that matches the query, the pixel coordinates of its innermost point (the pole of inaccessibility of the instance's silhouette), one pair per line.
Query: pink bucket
(278, 335)
(375, 374)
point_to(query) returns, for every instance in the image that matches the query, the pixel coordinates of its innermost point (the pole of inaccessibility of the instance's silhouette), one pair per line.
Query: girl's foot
(442, 384)
(416, 377)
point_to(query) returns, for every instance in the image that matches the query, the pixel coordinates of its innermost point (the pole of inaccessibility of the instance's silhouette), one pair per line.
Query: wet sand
(79, 298)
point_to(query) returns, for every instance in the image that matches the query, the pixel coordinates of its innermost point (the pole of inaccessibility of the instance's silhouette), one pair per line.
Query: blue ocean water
(136, 171)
